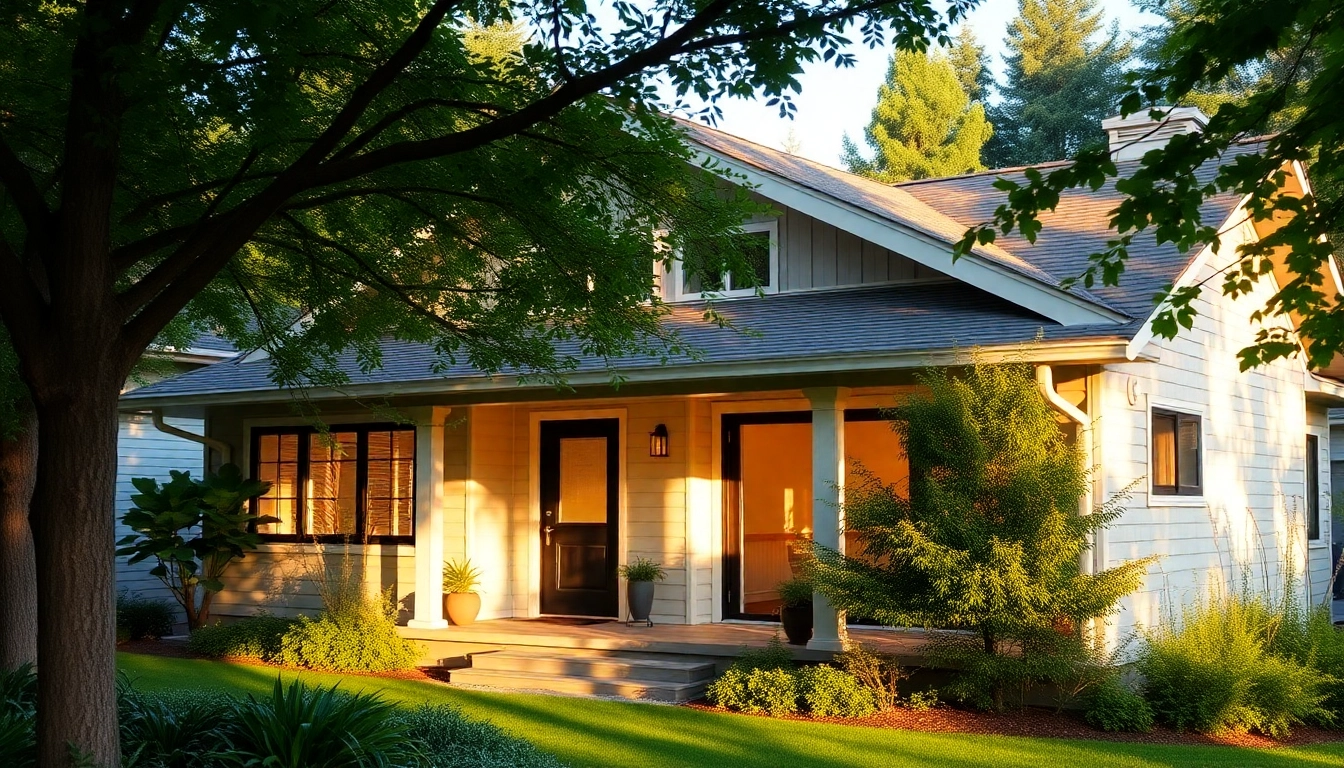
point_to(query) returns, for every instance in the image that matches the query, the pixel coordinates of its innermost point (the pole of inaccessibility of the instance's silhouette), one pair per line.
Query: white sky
(834, 101)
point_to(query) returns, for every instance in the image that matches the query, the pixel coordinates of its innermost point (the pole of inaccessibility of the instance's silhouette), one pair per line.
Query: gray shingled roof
(1077, 228)
(891, 202)
(838, 325)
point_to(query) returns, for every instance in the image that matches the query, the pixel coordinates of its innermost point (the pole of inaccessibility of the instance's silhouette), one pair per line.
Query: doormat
(570, 621)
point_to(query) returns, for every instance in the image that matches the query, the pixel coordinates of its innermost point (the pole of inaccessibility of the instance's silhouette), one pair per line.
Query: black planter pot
(639, 599)
(797, 621)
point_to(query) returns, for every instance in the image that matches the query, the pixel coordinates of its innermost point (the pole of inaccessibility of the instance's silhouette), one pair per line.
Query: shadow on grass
(587, 732)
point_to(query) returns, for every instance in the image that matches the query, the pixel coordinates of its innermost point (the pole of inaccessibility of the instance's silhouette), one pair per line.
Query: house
(714, 466)
(145, 449)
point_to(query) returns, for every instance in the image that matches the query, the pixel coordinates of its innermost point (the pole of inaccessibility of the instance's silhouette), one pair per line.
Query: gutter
(222, 448)
(1045, 382)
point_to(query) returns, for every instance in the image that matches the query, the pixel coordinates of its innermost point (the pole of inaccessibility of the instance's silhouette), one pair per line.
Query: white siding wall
(1249, 522)
(143, 451)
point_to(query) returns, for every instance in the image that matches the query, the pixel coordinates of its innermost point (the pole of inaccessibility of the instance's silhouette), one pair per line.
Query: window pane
(331, 484)
(1187, 462)
(1164, 450)
(702, 267)
(583, 480)
(1312, 492)
(278, 464)
(756, 251)
(391, 471)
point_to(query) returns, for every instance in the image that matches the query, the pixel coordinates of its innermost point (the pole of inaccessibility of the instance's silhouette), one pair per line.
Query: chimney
(1134, 136)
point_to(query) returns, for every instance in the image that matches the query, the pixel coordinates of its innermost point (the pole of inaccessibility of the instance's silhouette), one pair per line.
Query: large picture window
(1177, 443)
(353, 483)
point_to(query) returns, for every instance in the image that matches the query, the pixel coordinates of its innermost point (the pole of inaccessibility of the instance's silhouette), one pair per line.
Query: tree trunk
(76, 575)
(18, 574)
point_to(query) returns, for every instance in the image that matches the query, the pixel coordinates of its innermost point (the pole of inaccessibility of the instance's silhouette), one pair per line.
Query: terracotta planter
(797, 621)
(639, 599)
(462, 607)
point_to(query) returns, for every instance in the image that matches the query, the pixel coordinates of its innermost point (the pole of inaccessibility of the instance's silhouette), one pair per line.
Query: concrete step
(640, 669)
(574, 685)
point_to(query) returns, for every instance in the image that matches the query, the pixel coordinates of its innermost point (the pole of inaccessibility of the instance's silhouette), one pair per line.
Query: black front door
(580, 516)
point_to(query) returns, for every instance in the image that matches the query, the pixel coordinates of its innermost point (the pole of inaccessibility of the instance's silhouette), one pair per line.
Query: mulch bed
(1032, 721)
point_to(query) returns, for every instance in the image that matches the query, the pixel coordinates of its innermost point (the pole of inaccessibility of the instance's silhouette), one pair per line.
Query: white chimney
(1134, 136)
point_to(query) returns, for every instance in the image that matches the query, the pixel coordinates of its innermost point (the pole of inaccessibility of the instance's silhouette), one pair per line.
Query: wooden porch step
(606, 667)
(649, 678)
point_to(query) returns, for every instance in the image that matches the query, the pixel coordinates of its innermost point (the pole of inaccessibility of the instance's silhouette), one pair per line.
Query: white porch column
(429, 503)
(828, 476)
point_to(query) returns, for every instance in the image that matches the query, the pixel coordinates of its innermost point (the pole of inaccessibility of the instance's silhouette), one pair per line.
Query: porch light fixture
(658, 442)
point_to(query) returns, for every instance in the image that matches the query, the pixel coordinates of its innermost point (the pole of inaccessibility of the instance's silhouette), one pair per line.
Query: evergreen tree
(924, 124)
(1060, 84)
(986, 537)
(971, 64)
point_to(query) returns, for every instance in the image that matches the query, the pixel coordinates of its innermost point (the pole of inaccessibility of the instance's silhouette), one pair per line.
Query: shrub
(257, 637)
(18, 702)
(831, 692)
(922, 701)
(1316, 642)
(880, 673)
(775, 655)
(448, 739)
(1112, 706)
(142, 617)
(757, 691)
(357, 639)
(177, 731)
(300, 727)
(795, 592)
(1216, 672)
(993, 680)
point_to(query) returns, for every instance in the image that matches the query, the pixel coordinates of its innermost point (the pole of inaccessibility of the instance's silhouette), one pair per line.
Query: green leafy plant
(18, 710)
(449, 739)
(194, 530)
(1216, 671)
(755, 691)
(879, 672)
(643, 569)
(174, 732)
(301, 727)
(830, 692)
(140, 617)
(256, 637)
(988, 537)
(1113, 706)
(773, 655)
(459, 577)
(922, 701)
(347, 642)
(795, 592)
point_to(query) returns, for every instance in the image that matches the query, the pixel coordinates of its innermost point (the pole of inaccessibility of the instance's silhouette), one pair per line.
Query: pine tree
(971, 64)
(924, 124)
(986, 537)
(1061, 82)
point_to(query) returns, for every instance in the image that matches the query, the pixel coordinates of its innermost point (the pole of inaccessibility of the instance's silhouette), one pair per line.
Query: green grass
(585, 732)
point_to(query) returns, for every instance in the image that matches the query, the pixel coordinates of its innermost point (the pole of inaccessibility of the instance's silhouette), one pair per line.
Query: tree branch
(15, 178)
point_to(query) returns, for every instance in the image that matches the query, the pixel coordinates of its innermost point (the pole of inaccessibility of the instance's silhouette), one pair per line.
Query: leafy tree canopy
(1063, 77)
(971, 64)
(1302, 43)
(924, 124)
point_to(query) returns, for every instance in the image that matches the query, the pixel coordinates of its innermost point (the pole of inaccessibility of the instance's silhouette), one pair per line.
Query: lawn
(586, 732)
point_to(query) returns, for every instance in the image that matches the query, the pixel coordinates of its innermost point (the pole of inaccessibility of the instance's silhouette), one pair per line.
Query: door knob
(548, 530)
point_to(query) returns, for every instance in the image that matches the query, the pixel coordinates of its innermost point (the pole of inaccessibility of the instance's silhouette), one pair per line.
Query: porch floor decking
(722, 640)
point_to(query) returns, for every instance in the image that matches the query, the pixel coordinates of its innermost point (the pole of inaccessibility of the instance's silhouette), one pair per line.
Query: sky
(834, 101)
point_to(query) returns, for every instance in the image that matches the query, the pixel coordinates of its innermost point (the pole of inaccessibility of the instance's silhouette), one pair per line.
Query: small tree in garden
(194, 529)
(987, 538)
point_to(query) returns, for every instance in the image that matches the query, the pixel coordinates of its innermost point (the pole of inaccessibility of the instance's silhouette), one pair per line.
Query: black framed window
(1178, 454)
(354, 483)
(1312, 492)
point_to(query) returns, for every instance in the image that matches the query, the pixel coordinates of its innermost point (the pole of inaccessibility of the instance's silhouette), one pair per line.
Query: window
(353, 483)
(1177, 454)
(1312, 493)
(701, 268)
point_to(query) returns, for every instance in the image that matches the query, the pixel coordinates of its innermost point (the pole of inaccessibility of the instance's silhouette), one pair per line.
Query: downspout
(1045, 381)
(221, 447)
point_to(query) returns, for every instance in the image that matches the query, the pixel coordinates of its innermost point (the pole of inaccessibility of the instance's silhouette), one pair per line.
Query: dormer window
(697, 271)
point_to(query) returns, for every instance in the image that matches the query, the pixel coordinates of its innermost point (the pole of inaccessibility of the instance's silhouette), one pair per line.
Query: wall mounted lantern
(658, 442)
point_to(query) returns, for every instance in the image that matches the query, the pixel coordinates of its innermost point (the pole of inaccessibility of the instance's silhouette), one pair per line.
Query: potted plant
(640, 576)
(460, 601)
(795, 610)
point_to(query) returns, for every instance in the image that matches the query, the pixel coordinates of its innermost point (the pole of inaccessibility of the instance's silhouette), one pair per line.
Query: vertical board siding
(1248, 528)
(490, 505)
(143, 451)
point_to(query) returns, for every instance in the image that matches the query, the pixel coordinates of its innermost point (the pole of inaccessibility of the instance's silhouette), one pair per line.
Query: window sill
(1318, 544)
(1157, 502)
